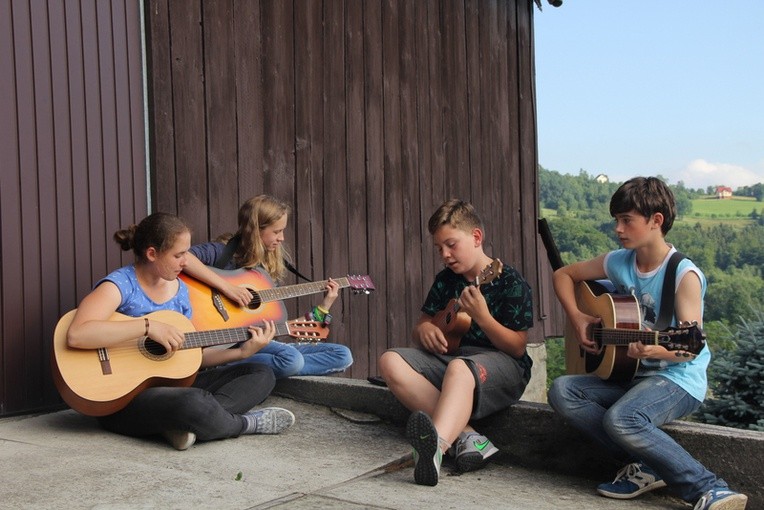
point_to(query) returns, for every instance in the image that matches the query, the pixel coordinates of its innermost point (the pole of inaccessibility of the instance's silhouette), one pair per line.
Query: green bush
(737, 379)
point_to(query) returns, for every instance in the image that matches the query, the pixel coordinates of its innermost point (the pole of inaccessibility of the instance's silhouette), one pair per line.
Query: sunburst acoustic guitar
(213, 310)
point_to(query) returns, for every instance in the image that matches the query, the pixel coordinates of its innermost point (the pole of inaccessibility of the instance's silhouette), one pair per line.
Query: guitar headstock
(307, 331)
(489, 273)
(688, 337)
(361, 283)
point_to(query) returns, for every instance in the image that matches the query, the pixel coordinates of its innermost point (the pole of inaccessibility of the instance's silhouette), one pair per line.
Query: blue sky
(652, 87)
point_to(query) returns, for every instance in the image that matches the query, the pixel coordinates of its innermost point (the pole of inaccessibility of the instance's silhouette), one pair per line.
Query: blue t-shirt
(621, 269)
(135, 302)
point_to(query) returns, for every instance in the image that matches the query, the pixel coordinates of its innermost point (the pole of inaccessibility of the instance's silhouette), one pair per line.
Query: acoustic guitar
(213, 310)
(455, 324)
(97, 382)
(620, 325)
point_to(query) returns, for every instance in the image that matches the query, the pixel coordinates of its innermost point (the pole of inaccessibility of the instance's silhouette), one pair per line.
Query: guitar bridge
(103, 358)
(217, 302)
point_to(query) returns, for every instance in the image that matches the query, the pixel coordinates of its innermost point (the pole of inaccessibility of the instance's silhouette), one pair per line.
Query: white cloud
(700, 173)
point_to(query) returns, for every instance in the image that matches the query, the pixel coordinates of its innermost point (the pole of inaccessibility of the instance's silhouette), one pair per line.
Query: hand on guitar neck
(455, 323)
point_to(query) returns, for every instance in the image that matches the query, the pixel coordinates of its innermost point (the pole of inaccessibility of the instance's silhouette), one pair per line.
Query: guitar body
(206, 301)
(616, 311)
(453, 324)
(97, 388)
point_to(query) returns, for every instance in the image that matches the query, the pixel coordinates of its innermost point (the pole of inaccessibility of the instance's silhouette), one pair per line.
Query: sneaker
(423, 437)
(271, 420)
(472, 451)
(721, 499)
(631, 481)
(180, 440)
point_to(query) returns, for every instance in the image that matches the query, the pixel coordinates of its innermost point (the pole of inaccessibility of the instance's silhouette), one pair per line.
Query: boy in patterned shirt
(488, 371)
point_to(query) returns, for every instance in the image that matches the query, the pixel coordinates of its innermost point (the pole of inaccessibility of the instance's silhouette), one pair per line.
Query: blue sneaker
(631, 481)
(721, 499)
(423, 437)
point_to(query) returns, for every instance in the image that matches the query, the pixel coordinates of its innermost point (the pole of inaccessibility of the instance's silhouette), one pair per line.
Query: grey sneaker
(423, 437)
(179, 439)
(472, 451)
(272, 420)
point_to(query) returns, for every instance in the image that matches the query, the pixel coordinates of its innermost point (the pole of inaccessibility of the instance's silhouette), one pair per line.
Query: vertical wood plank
(220, 112)
(357, 306)
(379, 339)
(161, 108)
(189, 107)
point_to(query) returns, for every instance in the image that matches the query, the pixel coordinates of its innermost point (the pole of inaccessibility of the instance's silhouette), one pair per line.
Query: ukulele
(455, 324)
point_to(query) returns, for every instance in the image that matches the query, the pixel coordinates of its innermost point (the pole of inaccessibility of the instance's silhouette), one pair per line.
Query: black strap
(667, 295)
(230, 248)
(294, 271)
(233, 245)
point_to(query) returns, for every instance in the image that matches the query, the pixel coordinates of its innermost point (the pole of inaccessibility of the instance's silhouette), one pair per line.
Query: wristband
(146, 332)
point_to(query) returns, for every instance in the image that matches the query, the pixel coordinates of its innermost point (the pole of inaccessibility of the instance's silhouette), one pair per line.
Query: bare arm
(565, 280)
(195, 268)
(428, 336)
(92, 329)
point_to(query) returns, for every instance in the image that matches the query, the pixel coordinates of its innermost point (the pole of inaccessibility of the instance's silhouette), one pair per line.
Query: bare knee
(458, 370)
(390, 366)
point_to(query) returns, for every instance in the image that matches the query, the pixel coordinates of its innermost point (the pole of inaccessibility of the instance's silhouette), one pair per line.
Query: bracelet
(318, 314)
(322, 309)
(146, 320)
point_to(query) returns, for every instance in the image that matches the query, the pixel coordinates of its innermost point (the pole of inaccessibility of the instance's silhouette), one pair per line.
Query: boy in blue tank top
(625, 417)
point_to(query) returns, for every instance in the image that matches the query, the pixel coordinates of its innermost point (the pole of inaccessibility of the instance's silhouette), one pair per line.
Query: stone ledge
(532, 435)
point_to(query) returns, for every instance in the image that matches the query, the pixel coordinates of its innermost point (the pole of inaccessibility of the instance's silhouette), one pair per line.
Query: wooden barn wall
(365, 116)
(73, 171)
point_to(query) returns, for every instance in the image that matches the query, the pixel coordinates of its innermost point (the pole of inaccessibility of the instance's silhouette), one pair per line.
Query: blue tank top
(621, 269)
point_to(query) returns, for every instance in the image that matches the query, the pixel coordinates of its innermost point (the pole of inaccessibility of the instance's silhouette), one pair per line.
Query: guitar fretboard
(194, 339)
(620, 336)
(302, 289)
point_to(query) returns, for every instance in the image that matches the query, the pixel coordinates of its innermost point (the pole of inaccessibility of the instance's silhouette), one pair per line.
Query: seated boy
(490, 368)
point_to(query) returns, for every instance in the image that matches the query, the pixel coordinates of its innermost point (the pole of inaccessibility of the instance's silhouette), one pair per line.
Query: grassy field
(707, 211)
(732, 211)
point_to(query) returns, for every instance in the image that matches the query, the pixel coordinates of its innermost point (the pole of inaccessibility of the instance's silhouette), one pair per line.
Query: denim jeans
(303, 359)
(624, 418)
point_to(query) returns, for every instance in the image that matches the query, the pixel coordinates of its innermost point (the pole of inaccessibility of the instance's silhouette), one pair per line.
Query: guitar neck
(622, 336)
(195, 339)
(301, 289)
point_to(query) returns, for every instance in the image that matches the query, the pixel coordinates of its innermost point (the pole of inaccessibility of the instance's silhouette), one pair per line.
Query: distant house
(602, 178)
(723, 192)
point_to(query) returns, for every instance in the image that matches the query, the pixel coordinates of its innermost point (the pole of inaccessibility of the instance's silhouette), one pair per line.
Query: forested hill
(725, 238)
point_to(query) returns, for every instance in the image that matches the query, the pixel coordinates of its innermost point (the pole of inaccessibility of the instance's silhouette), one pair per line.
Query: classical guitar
(620, 325)
(455, 324)
(213, 310)
(97, 382)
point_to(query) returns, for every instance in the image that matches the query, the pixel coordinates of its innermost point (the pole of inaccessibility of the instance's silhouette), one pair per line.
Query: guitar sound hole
(153, 350)
(256, 302)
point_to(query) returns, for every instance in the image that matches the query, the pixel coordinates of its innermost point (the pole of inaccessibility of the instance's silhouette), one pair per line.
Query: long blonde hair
(256, 214)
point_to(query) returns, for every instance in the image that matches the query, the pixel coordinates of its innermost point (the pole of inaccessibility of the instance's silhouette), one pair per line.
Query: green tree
(737, 380)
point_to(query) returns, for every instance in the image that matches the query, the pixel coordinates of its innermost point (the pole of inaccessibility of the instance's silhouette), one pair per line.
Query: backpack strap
(667, 294)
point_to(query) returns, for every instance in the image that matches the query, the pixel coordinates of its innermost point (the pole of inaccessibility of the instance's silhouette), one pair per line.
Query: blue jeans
(625, 418)
(303, 359)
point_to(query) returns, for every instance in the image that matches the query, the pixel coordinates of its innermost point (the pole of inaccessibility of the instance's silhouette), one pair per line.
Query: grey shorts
(500, 379)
